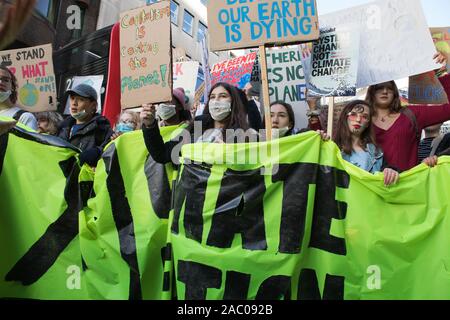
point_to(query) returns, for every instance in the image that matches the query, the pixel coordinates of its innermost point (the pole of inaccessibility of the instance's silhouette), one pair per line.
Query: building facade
(49, 23)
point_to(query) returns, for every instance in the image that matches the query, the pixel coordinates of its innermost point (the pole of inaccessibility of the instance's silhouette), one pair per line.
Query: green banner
(287, 219)
(39, 243)
(309, 226)
(124, 229)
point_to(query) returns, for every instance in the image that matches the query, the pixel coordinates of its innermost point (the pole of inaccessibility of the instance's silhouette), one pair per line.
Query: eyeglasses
(353, 116)
(5, 79)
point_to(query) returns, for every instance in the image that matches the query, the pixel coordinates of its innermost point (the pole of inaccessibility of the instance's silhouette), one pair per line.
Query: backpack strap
(18, 114)
(412, 117)
(435, 144)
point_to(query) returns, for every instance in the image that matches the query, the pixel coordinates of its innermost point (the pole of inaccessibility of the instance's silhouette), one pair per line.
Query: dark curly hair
(14, 85)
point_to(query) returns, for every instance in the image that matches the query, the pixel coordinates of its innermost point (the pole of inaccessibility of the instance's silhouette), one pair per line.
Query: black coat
(95, 133)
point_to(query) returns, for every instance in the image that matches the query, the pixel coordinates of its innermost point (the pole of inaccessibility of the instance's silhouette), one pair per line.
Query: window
(202, 29)
(47, 8)
(204, 2)
(188, 23)
(174, 12)
(151, 1)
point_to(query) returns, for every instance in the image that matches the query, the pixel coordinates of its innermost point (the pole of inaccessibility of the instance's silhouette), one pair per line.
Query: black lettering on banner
(166, 256)
(45, 251)
(3, 147)
(296, 177)
(275, 288)
(191, 191)
(158, 187)
(240, 209)
(123, 219)
(326, 208)
(198, 278)
(308, 286)
(236, 286)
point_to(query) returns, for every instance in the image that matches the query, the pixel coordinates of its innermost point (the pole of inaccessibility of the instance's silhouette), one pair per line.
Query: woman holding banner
(224, 120)
(398, 129)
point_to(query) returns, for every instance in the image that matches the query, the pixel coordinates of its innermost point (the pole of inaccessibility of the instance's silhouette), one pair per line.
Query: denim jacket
(373, 159)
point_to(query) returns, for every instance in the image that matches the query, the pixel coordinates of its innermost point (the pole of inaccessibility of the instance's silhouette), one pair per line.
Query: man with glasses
(8, 99)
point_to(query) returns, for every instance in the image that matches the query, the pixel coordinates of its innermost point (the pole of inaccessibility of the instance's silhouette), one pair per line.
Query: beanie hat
(179, 94)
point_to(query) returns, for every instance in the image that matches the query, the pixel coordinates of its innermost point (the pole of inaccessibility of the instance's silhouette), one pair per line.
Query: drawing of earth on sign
(29, 95)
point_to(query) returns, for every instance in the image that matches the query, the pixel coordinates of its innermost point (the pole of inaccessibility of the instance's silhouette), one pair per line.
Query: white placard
(395, 39)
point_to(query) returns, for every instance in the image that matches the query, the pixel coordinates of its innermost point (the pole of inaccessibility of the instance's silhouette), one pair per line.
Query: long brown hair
(343, 135)
(13, 96)
(238, 117)
(396, 105)
(289, 110)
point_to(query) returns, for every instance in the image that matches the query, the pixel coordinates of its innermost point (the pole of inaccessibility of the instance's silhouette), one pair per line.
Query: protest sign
(94, 81)
(287, 81)
(237, 24)
(33, 68)
(237, 71)
(185, 76)
(395, 40)
(145, 55)
(426, 88)
(335, 63)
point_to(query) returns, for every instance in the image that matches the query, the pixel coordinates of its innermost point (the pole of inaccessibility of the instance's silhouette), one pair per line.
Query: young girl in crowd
(224, 111)
(283, 121)
(398, 129)
(354, 137)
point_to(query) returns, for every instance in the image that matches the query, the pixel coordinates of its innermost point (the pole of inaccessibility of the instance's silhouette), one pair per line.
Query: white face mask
(5, 96)
(80, 115)
(279, 133)
(166, 111)
(219, 110)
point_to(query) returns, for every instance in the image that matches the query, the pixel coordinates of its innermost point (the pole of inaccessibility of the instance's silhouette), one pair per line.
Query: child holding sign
(354, 137)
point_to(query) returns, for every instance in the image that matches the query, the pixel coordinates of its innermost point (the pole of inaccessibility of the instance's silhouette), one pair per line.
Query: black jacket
(91, 138)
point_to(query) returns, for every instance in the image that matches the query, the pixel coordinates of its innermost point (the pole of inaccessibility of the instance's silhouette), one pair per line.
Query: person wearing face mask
(128, 121)
(397, 129)
(8, 100)
(224, 110)
(174, 113)
(85, 129)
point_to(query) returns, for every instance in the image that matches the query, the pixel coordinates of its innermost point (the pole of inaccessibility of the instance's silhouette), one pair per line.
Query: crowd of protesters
(377, 134)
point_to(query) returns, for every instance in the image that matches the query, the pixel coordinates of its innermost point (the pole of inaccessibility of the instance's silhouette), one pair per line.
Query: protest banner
(287, 81)
(39, 239)
(237, 24)
(426, 88)
(395, 39)
(236, 71)
(185, 76)
(145, 55)
(335, 58)
(308, 223)
(94, 81)
(33, 68)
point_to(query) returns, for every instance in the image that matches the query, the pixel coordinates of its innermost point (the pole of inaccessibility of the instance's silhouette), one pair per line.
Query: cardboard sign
(237, 24)
(287, 81)
(145, 55)
(33, 68)
(395, 40)
(335, 63)
(237, 71)
(94, 81)
(185, 76)
(426, 88)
